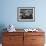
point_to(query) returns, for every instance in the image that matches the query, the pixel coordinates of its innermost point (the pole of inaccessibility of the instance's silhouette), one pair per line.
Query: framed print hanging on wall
(26, 14)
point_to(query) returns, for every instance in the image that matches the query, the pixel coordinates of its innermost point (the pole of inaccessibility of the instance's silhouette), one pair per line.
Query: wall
(9, 13)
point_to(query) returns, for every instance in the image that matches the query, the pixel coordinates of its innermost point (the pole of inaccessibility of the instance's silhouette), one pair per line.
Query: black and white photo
(26, 14)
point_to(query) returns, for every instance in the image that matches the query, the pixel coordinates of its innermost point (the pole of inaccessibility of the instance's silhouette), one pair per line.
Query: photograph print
(26, 14)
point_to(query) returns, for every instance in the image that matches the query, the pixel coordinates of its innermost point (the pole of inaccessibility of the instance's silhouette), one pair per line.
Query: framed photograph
(26, 14)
